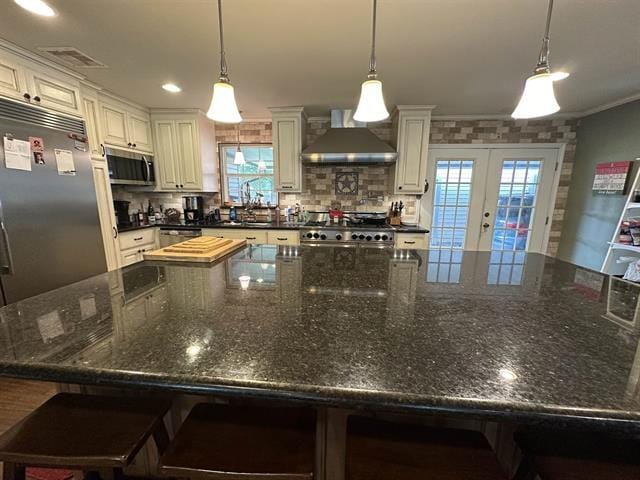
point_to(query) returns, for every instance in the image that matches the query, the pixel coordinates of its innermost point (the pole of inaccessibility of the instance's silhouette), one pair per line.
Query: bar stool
(381, 450)
(223, 441)
(86, 432)
(556, 454)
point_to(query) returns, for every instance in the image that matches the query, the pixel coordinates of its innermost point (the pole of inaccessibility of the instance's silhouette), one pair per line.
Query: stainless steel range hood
(348, 141)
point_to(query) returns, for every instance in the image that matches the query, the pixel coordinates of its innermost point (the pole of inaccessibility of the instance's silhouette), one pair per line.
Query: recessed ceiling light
(171, 87)
(36, 6)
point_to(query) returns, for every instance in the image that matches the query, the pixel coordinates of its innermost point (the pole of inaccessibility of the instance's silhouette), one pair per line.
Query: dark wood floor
(18, 398)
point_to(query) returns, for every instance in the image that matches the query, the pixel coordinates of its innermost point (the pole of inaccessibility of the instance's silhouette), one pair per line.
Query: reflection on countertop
(503, 333)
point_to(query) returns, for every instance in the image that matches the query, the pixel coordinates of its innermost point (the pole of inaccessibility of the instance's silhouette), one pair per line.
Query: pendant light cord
(223, 60)
(543, 58)
(372, 59)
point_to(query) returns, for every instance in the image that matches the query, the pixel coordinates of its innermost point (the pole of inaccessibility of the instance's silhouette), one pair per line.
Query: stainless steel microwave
(129, 168)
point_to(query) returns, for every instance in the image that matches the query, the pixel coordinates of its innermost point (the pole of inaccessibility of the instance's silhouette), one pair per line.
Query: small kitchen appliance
(129, 168)
(193, 209)
(121, 208)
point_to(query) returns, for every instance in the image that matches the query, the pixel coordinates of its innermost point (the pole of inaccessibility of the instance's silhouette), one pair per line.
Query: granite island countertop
(515, 336)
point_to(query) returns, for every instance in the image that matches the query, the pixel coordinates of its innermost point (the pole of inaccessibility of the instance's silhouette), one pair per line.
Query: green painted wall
(590, 220)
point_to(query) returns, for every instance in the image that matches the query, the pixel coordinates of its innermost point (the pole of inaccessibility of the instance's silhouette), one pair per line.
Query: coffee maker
(193, 209)
(121, 208)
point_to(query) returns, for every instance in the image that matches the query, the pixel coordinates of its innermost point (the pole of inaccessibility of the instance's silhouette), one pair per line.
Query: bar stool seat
(224, 441)
(556, 454)
(381, 450)
(83, 431)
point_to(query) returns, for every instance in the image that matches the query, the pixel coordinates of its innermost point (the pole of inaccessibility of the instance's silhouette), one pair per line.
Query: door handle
(6, 267)
(115, 232)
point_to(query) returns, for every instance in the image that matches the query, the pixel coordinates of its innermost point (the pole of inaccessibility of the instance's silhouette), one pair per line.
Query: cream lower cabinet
(289, 138)
(283, 237)
(411, 125)
(252, 236)
(186, 158)
(105, 213)
(134, 244)
(416, 241)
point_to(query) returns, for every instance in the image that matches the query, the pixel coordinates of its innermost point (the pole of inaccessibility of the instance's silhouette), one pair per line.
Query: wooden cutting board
(199, 249)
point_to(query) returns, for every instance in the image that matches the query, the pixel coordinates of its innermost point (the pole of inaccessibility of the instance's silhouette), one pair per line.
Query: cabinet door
(166, 155)
(92, 119)
(54, 93)
(129, 257)
(140, 132)
(286, 154)
(106, 213)
(188, 155)
(413, 145)
(12, 80)
(114, 125)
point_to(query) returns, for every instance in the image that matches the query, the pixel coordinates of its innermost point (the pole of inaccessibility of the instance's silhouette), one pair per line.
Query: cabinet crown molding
(288, 110)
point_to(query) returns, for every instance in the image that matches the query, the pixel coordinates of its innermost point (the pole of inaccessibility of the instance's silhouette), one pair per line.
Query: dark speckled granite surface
(526, 337)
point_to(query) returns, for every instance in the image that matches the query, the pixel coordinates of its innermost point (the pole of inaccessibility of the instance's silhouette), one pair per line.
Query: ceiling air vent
(72, 57)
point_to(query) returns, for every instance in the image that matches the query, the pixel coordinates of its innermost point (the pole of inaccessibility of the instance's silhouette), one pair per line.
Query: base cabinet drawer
(137, 238)
(411, 240)
(250, 235)
(283, 237)
(135, 254)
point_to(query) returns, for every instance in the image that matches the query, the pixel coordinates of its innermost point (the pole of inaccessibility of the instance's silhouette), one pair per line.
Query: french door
(490, 199)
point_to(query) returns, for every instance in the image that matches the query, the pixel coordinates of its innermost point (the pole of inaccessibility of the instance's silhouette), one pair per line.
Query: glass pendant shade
(538, 98)
(223, 104)
(238, 159)
(371, 107)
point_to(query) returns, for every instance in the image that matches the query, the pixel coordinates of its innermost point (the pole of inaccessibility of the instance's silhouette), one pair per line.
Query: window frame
(223, 169)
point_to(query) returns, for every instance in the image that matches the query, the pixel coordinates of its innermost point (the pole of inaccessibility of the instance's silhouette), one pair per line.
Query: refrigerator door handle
(6, 261)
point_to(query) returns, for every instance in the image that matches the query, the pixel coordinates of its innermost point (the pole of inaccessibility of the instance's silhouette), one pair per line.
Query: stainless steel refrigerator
(49, 225)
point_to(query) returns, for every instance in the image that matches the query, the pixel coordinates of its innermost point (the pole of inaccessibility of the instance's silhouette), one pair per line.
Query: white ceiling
(469, 57)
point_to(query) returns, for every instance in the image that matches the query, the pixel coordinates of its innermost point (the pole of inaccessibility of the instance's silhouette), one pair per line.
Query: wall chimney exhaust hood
(348, 142)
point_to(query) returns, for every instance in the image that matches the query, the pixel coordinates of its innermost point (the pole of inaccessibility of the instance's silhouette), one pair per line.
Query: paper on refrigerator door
(17, 154)
(64, 160)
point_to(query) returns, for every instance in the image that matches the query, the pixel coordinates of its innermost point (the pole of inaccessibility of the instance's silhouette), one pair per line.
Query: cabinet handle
(115, 232)
(399, 187)
(134, 145)
(27, 97)
(129, 144)
(181, 186)
(139, 251)
(282, 239)
(144, 249)
(36, 99)
(104, 152)
(286, 186)
(137, 239)
(177, 186)
(426, 186)
(250, 238)
(407, 242)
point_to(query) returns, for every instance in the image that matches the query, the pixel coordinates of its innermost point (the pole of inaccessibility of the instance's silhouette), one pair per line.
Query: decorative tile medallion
(347, 183)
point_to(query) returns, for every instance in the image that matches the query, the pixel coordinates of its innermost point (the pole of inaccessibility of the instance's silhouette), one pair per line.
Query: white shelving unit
(617, 251)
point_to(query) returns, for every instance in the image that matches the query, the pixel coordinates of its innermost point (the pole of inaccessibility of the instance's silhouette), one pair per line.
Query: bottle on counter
(277, 215)
(269, 218)
(233, 214)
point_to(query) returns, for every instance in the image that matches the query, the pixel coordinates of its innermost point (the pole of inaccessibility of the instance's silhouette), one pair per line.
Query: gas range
(369, 235)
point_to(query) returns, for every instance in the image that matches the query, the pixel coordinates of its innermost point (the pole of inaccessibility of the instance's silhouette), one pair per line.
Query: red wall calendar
(611, 178)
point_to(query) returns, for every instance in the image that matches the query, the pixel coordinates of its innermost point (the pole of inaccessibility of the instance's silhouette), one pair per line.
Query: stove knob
(384, 237)
(368, 238)
(315, 235)
(323, 237)
(377, 237)
(354, 236)
(338, 237)
(361, 237)
(309, 235)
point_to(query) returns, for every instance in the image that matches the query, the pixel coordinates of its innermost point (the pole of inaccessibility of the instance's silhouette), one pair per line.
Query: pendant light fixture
(538, 98)
(223, 103)
(371, 107)
(238, 158)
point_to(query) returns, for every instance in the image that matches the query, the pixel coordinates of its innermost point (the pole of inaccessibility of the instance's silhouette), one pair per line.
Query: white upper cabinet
(185, 146)
(411, 125)
(12, 81)
(125, 126)
(38, 84)
(289, 138)
(92, 121)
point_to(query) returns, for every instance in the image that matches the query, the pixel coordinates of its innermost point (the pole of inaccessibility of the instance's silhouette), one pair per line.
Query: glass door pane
(451, 200)
(515, 208)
